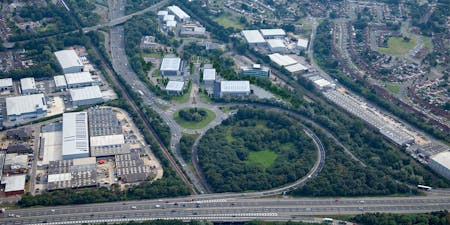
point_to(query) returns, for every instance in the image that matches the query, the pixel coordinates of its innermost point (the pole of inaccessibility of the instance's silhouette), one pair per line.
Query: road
(211, 207)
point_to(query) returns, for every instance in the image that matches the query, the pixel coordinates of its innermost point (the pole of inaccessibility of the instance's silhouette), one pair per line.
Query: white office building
(234, 88)
(253, 38)
(6, 84)
(81, 79)
(28, 86)
(69, 61)
(75, 136)
(86, 95)
(26, 107)
(171, 66)
(209, 76)
(175, 87)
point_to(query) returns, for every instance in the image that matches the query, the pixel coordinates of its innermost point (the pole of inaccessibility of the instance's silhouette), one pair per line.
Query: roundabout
(193, 118)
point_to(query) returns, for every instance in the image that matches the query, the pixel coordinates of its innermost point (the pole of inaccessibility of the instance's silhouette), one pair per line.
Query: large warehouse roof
(282, 60)
(175, 85)
(442, 158)
(170, 64)
(14, 183)
(107, 140)
(25, 104)
(78, 78)
(6, 82)
(178, 12)
(296, 68)
(235, 86)
(90, 92)
(60, 81)
(68, 58)
(253, 36)
(276, 43)
(209, 74)
(303, 43)
(272, 32)
(27, 83)
(75, 134)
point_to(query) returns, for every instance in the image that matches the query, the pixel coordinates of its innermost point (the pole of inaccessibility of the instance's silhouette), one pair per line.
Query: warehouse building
(273, 33)
(296, 68)
(209, 76)
(15, 164)
(13, 185)
(192, 30)
(28, 86)
(180, 15)
(86, 95)
(253, 38)
(171, 25)
(26, 107)
(167, 18)
(69, 61)
(108, 145)
(175, 87)
(6, 84)
(103, 121)
(162, 13)
(276, 45)
(19, 148)
(171, 66)
(77, 80)
(234, 88)
(130, 168)
(256, 70)
(321, 83)
(441, 163)
(75, 135)
(21, 134)
(60, 82)
(74, 173)
(302, 44)
(282, 60)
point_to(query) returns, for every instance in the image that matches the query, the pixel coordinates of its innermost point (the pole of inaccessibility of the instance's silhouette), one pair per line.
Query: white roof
(282, 60)
(442, 158)
(322, 83)
(59, 177)
(171, 23)
(16, 161)
(235, 86)
(60, 80)
(273, 32)
(27, 83)
(302, 43)
(169, 18)
(25, 104)
(253, 36)
(276, 43)
(6, 82)
(170, 64)
(162, 13)
(209, 74)
(178, 12)
(68, 58)
(175, 85)
(14, 183)
(75, 134)
(296, 68)
(90, 92)
(107, 140)
(78, 78)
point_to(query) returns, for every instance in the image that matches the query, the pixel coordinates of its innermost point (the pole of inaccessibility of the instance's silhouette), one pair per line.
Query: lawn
(182, 98)
(210, 116)
(427, 42)
(393, 88)
(266, 157)
(205, 98)
(397, 46)
(228, 20)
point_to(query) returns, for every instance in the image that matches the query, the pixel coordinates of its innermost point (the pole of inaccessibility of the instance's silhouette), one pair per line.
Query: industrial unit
(441, 163)
(179, 14)
(26, 107)
(74, 173)
(175, 87)
(302, 44)
(15, 164)
(192, 30)
(75, 135)
(28, 86)
(13, 185)
(171, 66)
(288, 63)
(81, 79)
(130, 168)
(86, 95)
(234, 88)
(256, 70)
(6, 84)
(60, 82)
(253, 38)
(69, 61)
(276, 45)
(273, 33)
(209, 76)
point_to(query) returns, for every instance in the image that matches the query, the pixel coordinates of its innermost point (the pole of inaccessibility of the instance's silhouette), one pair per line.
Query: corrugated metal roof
(209, 74)
(170, 64)
(107, 140)
(78, 78)
(6, 82)
(273, 32)
(60, 81)
(14, 183)
(253, 36)
(25, 104)
(75, 134)
(175, 86)
(27, 84)
(235, 86)
(178, 12)
(68, 58)
(282, 60)
(90, 92)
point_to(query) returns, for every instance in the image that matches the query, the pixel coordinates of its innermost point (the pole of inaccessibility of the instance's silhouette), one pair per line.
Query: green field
(210, 116)
(397, 46)
(427, 42)
(393, 88)
(266, 157)
(228, 20)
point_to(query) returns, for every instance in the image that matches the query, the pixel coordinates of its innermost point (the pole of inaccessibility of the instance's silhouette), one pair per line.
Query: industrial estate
(223, 111)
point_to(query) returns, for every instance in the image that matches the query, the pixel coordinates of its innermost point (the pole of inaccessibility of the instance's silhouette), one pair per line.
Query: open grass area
(393, 88)
(266, 157)
(182, 98)
(398, 46)
(205, 98)
(427, 42)
(228, 20)
(210, 116)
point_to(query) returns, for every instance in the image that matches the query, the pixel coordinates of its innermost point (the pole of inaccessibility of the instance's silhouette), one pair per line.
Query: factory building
(171, 25)
(175, 87)
(253, 38)
(77, 80)
(74, 173)
(130, 168)
(209, 76)
(302, 44)
(276, 45)
(162, 13)
(441, 163)
(13, 185)
(321, 83)
(75, 136)
(28, 86)
(273, 33)
(288, 63)
(6, 84)
(69, 61)
(192, 30)
(180, 15)
(60, 82)
(171, 66)
(15, 164)
(256, 70)
(234, 88)
(26, 107)
(86, 95)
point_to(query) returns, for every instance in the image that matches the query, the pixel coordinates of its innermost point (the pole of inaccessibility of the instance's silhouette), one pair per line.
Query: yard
(399, 46)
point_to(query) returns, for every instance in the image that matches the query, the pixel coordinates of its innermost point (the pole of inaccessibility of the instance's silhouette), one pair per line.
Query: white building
(276, 45)
(28, 86)
(69, 61)
(209, 76)
(26, 107)
(14, 184)
(282, 60)
(253, 37)
(171, 66)
(296, 68)
(81, 79)
(192, 30)
(75, 136)
(86, 95)
(256, 70)
(302, 44)
(175, 87)
(161, 14)
(6, 84)
(441, 163)
(171, 25)
(273, 33)
(167, 18)
(321, 83)
(180, 15)
(60, 82)
(234, 88)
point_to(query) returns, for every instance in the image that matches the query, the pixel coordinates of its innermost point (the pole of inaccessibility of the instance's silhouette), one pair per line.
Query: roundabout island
(194, 117)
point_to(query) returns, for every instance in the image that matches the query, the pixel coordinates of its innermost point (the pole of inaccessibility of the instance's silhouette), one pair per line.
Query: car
(157, 206)
(52, 210)
(133, 207)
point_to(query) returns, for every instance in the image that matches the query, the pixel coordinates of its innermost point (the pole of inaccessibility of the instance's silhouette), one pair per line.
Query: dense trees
(193, 114)
(85, 12)
(434, 218)
(186, 143)
(224, 152)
